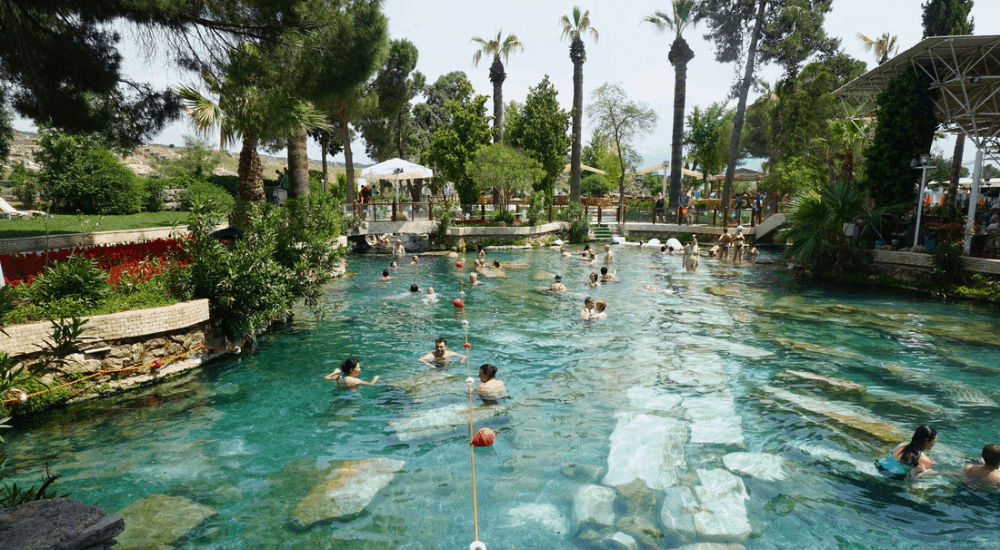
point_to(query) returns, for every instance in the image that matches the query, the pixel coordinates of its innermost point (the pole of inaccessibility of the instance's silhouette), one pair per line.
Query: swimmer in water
(440, 355)
(385, 275)
(593, 282)
(474, 279)
(588, 309)
(480, 251)
(347, 375)
(491, 390)
(608, 277)
(415, 261)
(609, 256)
(563, 252)
(725, 242)
(393, 265)
(600, 306)
(910, 458)
(414, 288)
(453, 253)
(691, 258)
(557, 285)
(430, 291)
(397, 249)
(987, 473)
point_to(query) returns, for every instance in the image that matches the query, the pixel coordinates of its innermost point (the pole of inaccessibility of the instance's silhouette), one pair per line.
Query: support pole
(920, 202)
(970, 223)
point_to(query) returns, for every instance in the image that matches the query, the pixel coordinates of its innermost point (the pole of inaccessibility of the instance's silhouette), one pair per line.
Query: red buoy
(459, 265)
(458, 302)
(484, 437)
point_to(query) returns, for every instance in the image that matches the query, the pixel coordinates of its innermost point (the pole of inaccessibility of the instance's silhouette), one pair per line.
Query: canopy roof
(666, 166)
(396, 169)
(967, 71)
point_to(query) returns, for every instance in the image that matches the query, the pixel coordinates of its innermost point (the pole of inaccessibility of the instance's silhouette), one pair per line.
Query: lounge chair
(8, 211)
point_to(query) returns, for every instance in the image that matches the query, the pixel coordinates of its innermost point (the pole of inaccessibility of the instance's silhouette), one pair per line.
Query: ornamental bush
(80, 176)
(75, 279)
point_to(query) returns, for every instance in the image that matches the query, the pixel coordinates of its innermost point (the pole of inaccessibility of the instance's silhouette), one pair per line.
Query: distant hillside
(141, 161)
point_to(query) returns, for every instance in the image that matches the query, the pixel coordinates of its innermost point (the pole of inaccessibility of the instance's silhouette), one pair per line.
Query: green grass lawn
(61, 224)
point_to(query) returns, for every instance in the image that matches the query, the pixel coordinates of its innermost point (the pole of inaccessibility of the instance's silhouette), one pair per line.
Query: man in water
(986, 474)
(439, 357)
(609, 256)
(557, 285)
(725, 241)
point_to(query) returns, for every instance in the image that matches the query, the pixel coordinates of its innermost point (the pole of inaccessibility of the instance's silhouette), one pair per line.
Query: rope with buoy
(23, 396)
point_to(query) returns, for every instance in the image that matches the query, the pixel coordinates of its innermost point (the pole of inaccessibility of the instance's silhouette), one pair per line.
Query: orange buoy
(484, 437)
(459, 265)
(458, 302)
(467, 345)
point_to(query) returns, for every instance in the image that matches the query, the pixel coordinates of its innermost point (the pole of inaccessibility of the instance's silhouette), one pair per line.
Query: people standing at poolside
(441, 354)
(986, 473)
(609, 255)
(588, 309)
(557, 285)
(910, 458)
(347, 375)
(725, 242)
(660, 217)
(491, 390)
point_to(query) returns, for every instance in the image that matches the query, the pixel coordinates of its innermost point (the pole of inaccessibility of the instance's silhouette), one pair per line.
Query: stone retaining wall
(24, 339)
(56, 242)
(922, 262)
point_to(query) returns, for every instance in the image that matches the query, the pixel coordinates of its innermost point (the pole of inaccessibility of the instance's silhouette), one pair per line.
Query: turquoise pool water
(250, 437)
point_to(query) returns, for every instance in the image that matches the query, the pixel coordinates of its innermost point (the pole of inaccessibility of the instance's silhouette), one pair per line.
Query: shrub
(78, 175)
(25, 188)
(579, 222)
(156, 197)
(504, 216)
(203, 192)
(947, 260)
(230, 184)
(535, 209)
(445, 215)
(77, 278)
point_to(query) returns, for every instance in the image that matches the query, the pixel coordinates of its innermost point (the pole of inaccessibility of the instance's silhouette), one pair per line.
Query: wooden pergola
(966, 70)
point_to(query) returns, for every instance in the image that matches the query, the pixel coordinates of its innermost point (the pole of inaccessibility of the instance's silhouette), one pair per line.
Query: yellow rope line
(154, 365)
(472, 434)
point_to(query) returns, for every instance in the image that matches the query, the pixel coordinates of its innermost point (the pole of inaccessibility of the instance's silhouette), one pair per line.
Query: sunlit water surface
(249, 437)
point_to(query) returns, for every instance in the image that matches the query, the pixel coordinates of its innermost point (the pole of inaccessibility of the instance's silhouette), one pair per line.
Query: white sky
(627, 52)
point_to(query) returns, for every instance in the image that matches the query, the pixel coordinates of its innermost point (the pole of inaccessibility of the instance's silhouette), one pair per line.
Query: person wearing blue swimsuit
(910, 458)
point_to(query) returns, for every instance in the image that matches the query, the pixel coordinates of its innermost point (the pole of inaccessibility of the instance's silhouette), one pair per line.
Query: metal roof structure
(967, 71)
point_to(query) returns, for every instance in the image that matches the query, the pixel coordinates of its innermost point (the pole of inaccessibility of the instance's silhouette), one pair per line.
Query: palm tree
(884, 46)
(679, 56)
(497, 48)
(247, 111)
(574, 29)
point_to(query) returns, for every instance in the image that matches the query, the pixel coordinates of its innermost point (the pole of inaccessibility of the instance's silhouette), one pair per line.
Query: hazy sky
(628, 52)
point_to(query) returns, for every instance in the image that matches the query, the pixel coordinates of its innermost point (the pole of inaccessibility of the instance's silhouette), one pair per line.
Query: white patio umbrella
(397, 169)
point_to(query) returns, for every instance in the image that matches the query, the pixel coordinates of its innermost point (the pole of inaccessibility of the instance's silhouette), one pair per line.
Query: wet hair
(385, 272)
(489, 370)
(441, 340)
(586, 247)
(991, 455)
(725, 230)
(348, 366)
(496, 264)
(414, 288)
(479, 246)
(392, 263)
(558, 278)
(593, 276)
(663, 248)
(473, 276)
(600, 305)
(588, 300)
(604, 270)
(911, 452)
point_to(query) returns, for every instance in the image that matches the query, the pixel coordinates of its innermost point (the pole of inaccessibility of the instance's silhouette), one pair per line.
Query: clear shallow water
(250, 436)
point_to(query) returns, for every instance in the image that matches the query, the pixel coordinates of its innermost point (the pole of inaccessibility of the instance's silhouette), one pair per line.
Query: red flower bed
(139, 260)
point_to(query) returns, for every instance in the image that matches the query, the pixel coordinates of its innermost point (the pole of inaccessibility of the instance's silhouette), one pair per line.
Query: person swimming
(557, 285)
(414, 288)
(609, 255)
(347, 375)
(415, 261)
(593, 282)
(385, 275)
(600, 306)
(491, 390)
(474, 279)
(588, 309)
(606, 277)
(910, 458)
(440, 355)
(987, 473)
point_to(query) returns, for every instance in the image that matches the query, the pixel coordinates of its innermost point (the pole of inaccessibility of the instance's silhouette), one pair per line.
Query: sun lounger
(8, 211)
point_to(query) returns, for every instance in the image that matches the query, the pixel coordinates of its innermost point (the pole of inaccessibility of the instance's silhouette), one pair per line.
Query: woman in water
(491, 390)
(600, 305)
(593, 280)
(347, 375)
(910, 458)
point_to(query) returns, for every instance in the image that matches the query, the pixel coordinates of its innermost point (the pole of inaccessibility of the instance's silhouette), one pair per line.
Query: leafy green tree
(950, 18)
(785, 32)
(503, 169)
(540, 130)
(623, 121)
(792, 174)
(498, 47)
(432, 113)
(455, 144)
(707, 137)
(680, 55)
(6, 129)
(78, 175)
(197, 160)
(574, 28)
(387, 130)
(905, 130)
(596, 185)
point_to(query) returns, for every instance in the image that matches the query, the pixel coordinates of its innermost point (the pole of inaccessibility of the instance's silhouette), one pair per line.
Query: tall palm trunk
(497, 76)
(250, 171)
(679, 56)
(956, 169)
(345, 136)
(298, 166)
(741, 107)
(578, 54)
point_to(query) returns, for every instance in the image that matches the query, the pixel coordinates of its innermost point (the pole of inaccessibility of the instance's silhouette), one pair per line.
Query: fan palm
(248, 111)
(679, 56)
(497, 48)
(574, 28)
(883, 47)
